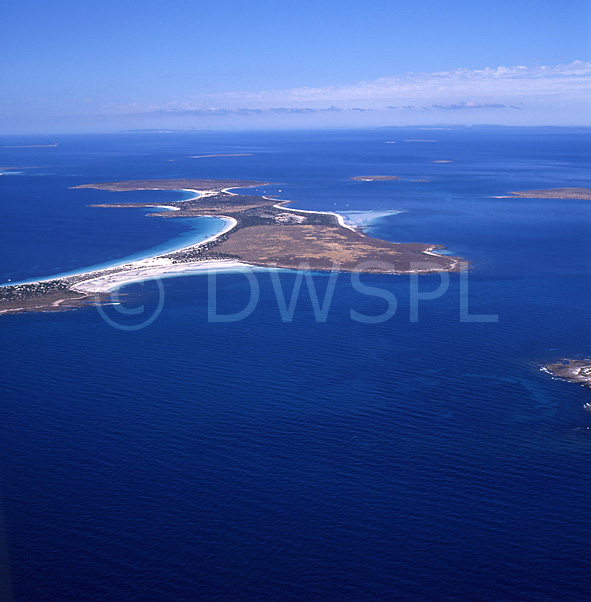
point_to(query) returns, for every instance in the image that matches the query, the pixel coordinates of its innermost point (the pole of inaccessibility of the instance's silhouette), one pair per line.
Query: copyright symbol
(125, 320)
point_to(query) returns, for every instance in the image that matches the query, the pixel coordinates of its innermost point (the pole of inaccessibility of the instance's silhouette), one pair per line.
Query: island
(553, 193)
(259, 231)
(222, 155)
(576, 371)
(374, 178)
(33, 145)
(19, 168)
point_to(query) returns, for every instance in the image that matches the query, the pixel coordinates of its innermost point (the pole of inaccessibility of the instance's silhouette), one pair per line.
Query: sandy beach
(158, 267)
(148, 262)
(339, 217)
(109, 282)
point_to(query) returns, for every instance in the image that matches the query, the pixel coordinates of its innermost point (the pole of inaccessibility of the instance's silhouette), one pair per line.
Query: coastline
(340, 218)
(157, 264)
(105, 284)
(149, 267)
(129, 262)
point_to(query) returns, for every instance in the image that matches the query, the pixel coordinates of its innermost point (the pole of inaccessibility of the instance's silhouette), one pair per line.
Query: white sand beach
(158, 269)
(137, 267)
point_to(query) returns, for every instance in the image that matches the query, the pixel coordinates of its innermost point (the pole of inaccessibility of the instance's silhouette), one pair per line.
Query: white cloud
(473, 105)
(539, 90)
(571, 79)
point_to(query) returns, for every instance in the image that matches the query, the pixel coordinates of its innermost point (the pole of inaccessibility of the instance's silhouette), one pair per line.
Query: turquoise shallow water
(200, 229)
(263, 459)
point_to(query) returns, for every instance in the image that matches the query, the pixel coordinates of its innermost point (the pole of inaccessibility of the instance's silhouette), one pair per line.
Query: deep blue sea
(422, 457)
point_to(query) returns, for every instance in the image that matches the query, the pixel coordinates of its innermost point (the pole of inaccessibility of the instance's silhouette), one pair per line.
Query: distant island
(553, 193)
(374, 178)
(222, 155)
(19, 168)
(33, 145)
(259, 231)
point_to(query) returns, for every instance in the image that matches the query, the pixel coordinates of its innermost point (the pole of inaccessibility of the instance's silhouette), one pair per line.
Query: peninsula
(259, 231)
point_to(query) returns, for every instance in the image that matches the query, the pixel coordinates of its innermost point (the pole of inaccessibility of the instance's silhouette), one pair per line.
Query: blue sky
(71, 66)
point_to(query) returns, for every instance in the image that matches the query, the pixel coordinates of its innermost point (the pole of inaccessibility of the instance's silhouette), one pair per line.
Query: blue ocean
(404, 445)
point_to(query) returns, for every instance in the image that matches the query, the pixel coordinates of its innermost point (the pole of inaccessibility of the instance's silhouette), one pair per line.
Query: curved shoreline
(123, 263)
(154, 264)
(106, 284)
(339, 217)
(281, 204)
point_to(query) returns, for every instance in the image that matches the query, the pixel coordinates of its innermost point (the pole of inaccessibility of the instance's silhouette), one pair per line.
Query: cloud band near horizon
(460, 89)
